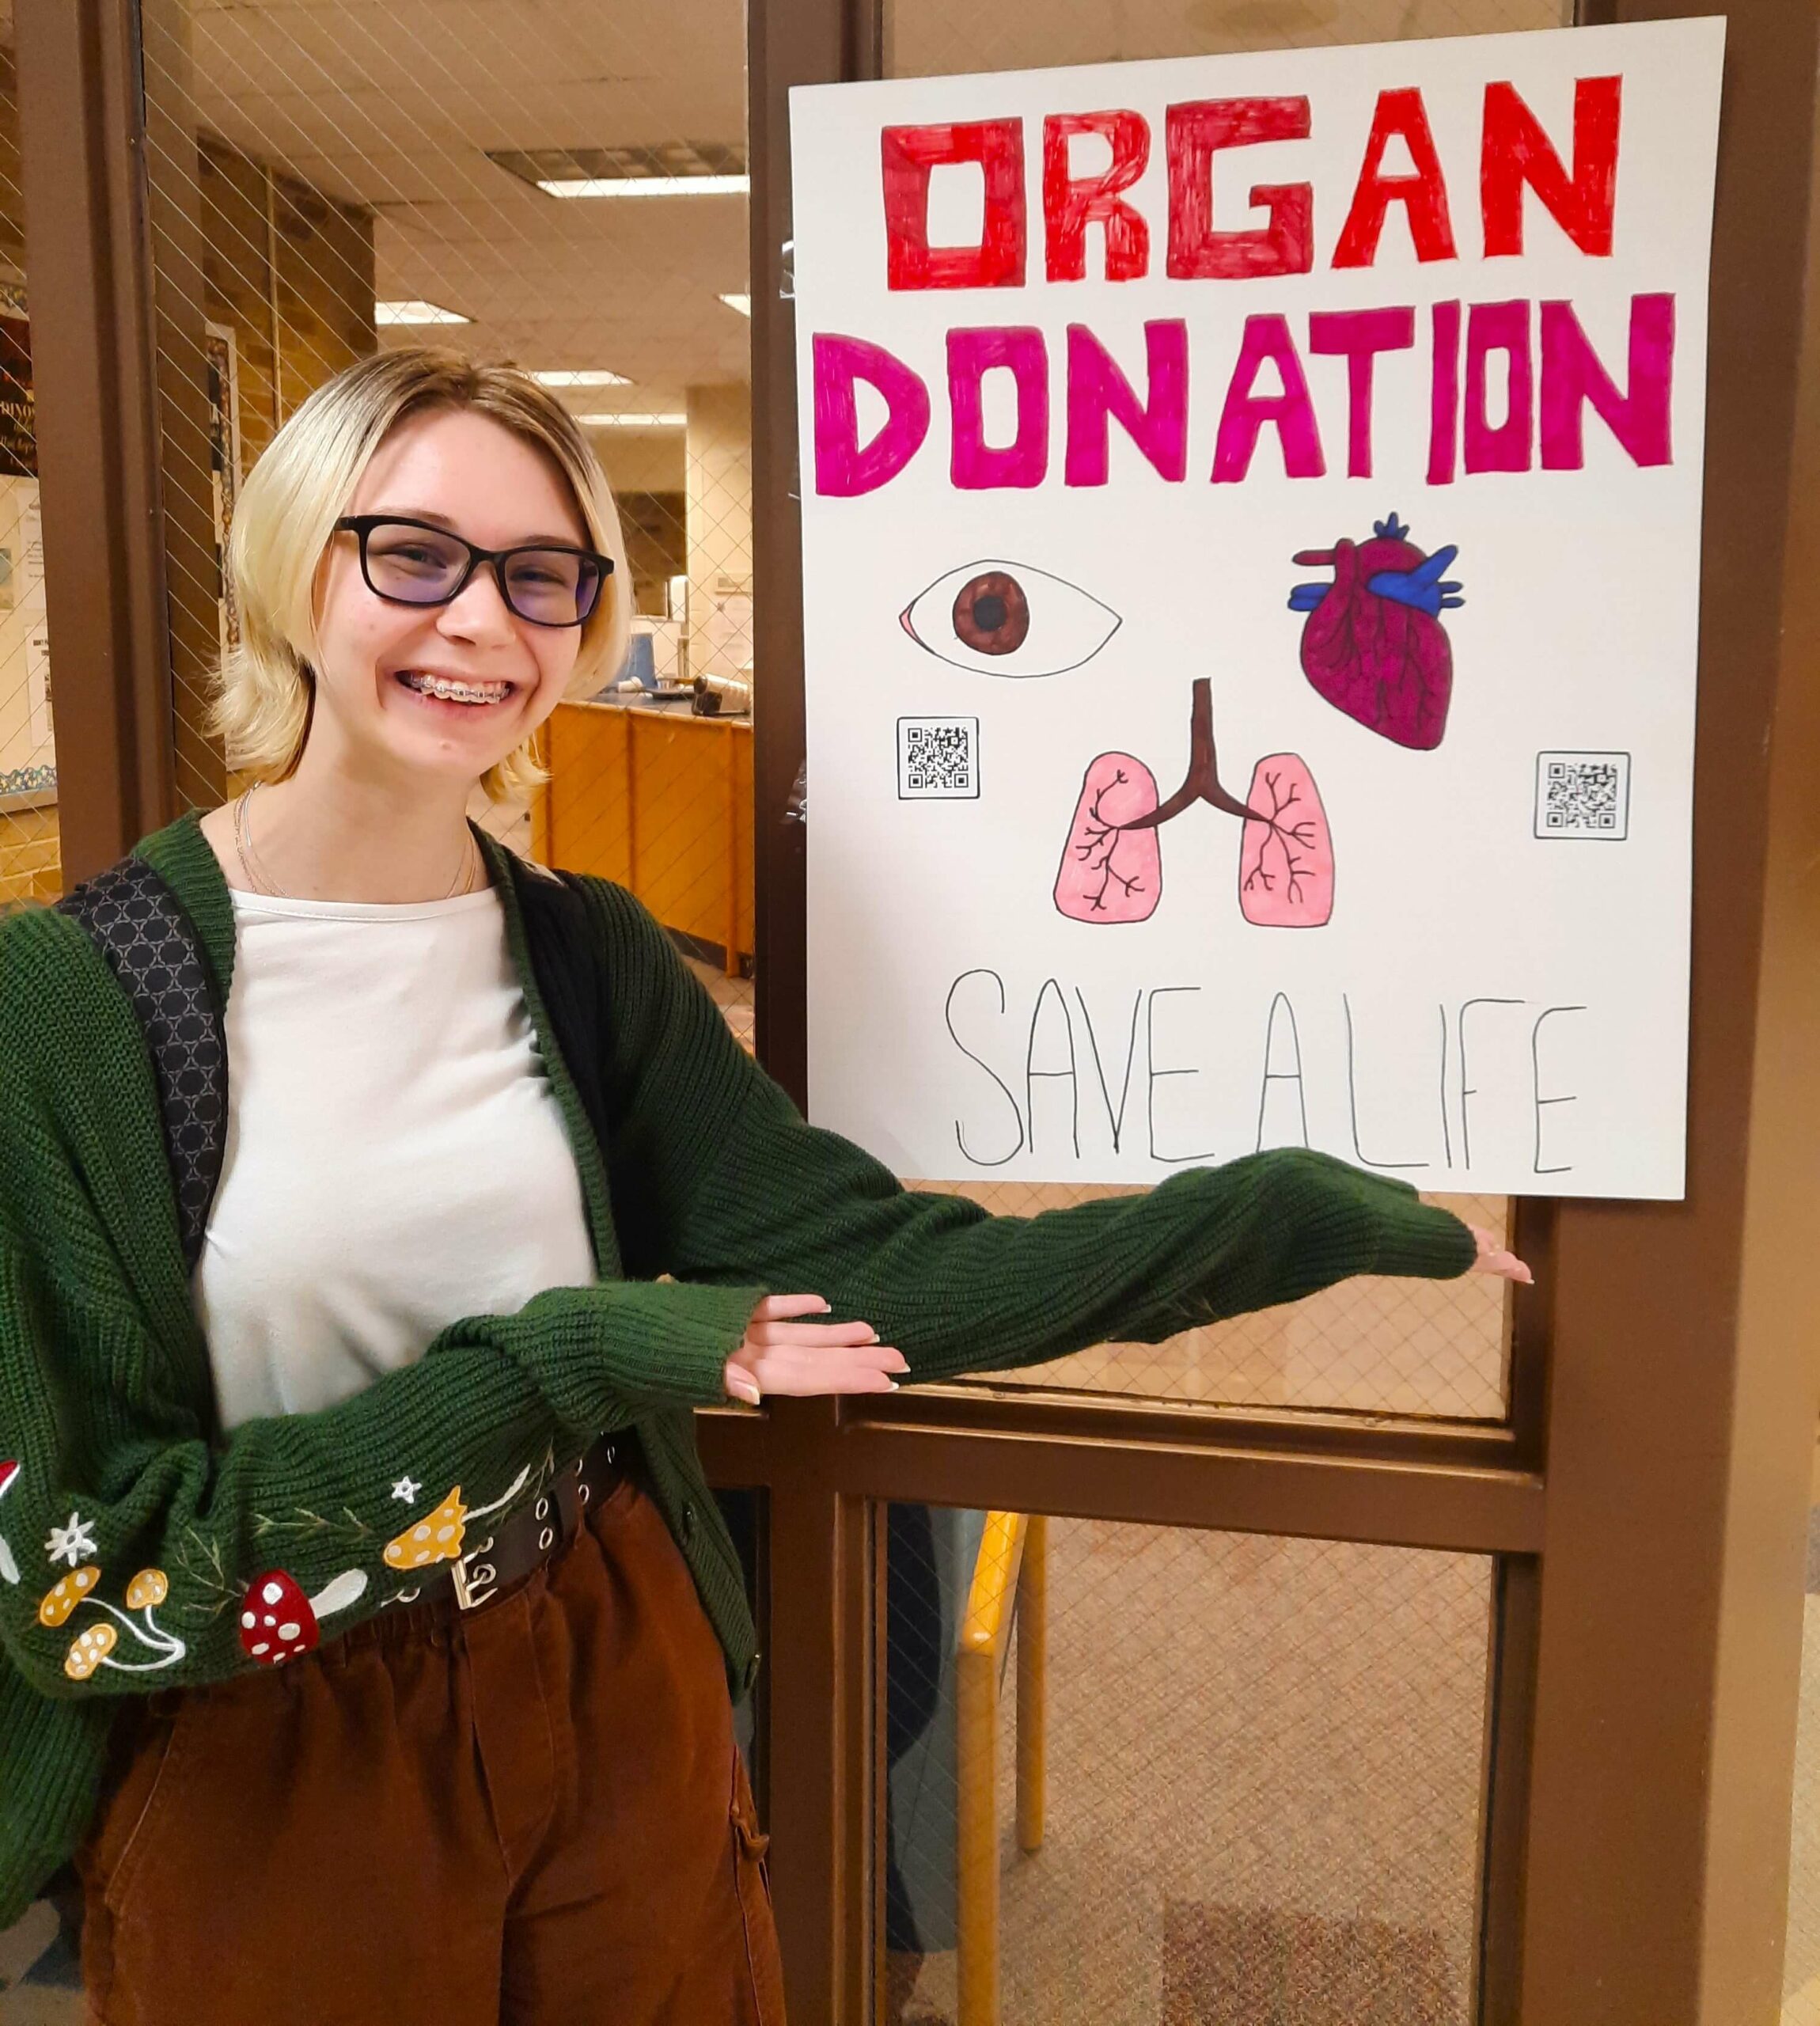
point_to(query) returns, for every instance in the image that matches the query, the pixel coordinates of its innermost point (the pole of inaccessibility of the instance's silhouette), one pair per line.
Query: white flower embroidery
(71, 1542)
(406, 1490)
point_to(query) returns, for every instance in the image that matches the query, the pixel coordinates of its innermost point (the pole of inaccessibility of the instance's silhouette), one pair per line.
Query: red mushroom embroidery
(278, 1623)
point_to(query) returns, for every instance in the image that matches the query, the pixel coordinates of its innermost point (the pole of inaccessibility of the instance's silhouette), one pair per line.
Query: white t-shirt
(396, 1158)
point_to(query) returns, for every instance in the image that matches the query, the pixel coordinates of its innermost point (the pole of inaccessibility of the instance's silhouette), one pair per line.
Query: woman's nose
(479, 610)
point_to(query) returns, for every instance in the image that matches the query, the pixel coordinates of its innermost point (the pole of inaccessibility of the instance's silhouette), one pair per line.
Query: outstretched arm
(749, 1191)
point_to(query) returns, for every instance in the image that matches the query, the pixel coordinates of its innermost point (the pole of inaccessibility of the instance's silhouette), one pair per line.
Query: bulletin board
(1251, 540)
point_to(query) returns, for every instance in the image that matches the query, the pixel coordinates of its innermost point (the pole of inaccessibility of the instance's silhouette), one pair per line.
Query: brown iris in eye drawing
(1000, 617)
(992, 614)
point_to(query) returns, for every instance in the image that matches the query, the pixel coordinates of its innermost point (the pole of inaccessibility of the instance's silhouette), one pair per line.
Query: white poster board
(1251, 528)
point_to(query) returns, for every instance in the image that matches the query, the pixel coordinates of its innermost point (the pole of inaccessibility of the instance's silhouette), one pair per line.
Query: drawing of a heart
(1374, 645)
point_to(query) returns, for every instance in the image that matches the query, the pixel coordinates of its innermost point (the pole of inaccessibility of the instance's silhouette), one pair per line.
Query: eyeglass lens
(550, 586)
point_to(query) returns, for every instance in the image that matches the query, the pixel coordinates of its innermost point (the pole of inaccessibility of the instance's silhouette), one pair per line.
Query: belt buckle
(472, 1589)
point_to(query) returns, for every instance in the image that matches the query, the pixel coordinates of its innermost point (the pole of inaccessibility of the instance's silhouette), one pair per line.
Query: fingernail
(894, 1386)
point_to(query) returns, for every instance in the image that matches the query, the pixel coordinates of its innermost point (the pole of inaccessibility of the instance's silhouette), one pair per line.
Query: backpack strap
(135, 921)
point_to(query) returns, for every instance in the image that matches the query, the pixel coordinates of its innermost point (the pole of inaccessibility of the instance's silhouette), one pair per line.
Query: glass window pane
(1435, 1349)
(1261, 1765)
(368, 177)
(30, 861)
(929, 38)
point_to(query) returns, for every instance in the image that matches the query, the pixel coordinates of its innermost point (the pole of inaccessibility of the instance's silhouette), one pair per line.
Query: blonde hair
(303, 484)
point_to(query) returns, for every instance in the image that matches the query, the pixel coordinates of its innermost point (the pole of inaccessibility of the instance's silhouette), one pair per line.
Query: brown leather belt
(508, 1554)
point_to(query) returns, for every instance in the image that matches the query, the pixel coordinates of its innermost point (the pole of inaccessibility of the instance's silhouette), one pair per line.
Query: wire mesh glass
(1136, 1774)
(30, 865)
(336, 178)
(934, 37)
(1424, 1349)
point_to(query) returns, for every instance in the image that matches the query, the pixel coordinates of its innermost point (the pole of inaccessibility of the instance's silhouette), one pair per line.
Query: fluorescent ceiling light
(593, 376)
(741, 303)
(646, 186)
(622, 421)
(670, 168)
(416, 313)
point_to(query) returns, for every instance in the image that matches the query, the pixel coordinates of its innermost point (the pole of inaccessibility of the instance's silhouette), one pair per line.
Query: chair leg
(977, 1839)
(1033, 1682)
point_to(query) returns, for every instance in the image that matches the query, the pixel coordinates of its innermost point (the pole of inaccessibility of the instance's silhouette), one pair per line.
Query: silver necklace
(262, 880)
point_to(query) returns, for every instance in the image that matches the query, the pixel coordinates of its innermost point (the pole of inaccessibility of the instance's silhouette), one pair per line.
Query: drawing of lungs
(1107, 874)
(1286, 857)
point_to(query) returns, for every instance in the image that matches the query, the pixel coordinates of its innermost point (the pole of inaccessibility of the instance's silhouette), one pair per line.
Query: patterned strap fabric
(135, 919)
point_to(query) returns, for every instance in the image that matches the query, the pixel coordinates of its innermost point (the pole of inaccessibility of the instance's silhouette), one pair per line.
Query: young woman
(366, 1628)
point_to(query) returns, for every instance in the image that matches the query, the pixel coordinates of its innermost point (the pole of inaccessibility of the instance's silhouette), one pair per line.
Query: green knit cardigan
(132, 1531)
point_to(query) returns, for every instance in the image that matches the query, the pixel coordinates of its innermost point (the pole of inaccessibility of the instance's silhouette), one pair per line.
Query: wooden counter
(660, 801)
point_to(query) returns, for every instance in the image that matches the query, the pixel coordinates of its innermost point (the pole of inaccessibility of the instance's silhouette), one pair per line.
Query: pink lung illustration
(1107, 874)
(1286, 859)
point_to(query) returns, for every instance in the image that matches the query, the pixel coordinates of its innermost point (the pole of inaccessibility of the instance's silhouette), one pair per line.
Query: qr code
(1583, 795)
(938, 759)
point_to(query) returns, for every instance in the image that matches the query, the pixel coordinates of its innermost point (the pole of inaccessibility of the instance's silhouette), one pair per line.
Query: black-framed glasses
(407, 561)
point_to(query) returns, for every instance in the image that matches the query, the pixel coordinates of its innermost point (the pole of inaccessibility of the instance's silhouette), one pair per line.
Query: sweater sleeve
(731, 1184)
(127, 1540)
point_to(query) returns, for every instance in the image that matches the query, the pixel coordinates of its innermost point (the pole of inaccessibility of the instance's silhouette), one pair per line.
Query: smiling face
(464, 471)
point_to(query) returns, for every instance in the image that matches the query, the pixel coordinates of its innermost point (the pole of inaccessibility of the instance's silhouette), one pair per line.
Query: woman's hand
(781, 1354)
(1495, 1258)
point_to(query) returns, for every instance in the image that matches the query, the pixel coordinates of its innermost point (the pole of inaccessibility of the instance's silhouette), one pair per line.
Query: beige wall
(642, 460)
(719, 449)
(322, 281)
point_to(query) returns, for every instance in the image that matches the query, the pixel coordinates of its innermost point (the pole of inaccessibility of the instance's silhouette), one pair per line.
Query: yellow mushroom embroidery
(88, 1650)
(437, 1537)
(150, 1587)
(68, 1592)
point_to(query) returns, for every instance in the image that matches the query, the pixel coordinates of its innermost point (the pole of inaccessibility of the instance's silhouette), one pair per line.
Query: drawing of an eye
(1008, 619)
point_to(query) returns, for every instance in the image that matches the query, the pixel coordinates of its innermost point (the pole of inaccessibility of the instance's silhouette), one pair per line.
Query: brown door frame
(1647, 1499)
(81, 136)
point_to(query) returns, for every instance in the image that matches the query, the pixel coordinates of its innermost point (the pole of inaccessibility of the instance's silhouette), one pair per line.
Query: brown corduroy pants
(532, 1811)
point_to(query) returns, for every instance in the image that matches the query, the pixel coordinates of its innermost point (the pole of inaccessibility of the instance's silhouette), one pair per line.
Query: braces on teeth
(456, 691)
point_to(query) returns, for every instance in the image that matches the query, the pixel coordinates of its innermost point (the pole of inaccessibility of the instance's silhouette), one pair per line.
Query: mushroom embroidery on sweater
(89, 1651)
(437, 1537)
(66, 1594)
(277, 1622)
(150, 1587)
(93, 1647)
